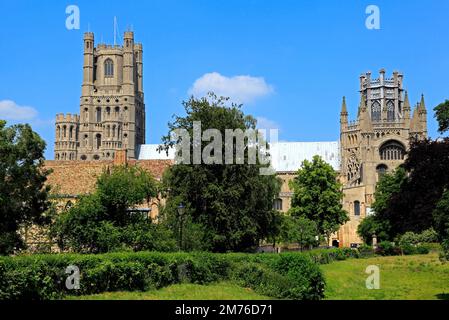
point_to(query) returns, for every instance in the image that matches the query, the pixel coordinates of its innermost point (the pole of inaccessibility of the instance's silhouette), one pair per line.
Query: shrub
(366, 251)
(307, 281)
(288, 276)
(428, 236)
(387, 248)
(408, 249)
(37, 277)
(421, 249)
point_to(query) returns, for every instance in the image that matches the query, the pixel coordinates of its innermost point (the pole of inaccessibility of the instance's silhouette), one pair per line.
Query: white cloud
(264, 123)
(241, 89)
(9, 110)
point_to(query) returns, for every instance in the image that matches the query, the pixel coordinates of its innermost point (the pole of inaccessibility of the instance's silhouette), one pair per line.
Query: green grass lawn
(217, 291)
(401, 277)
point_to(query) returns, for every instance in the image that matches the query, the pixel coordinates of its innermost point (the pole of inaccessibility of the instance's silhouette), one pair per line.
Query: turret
(66, 136)
(343, 115)
(139, 64)
(364, 118)
(88, 65)
(128, 63)
(406, 110)
(422, 113)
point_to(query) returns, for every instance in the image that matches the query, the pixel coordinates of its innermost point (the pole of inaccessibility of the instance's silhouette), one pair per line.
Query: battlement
(88, 35)
(102, 46)
(367, 82)
(72, 118)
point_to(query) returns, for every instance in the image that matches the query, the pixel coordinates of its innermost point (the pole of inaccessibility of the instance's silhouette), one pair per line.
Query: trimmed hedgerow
(293, 276)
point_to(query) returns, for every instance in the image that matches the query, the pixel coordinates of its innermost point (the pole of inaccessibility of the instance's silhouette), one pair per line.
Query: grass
(421, 277)
(216, 291)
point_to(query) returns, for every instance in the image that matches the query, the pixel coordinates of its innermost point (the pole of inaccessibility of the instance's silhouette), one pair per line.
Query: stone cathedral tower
(112, 108)
(374, 143)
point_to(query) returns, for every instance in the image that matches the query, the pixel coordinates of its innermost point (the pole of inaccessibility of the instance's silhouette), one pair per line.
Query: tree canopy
(23, 195)
(317, 196)
(232, 202)
(102, 221)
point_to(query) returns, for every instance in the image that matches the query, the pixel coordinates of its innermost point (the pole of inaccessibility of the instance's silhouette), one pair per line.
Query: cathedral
(110, 129)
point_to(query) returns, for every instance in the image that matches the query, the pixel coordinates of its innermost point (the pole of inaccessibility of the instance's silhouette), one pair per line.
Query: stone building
(112, 108)
(374, 143)
(111, 129)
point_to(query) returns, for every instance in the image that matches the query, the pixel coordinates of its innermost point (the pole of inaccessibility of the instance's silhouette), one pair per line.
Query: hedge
(37, 277)
(285, 276)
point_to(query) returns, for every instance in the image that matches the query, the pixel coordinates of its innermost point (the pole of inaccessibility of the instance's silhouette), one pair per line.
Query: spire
(343, 106)
(406, 102)
(362, 105)
(422, 105)
(364, 117)
(343, 116)
(414, 122)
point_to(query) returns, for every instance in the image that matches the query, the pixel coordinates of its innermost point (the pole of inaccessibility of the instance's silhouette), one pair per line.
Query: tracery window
(108, 68)
(392, 150)
(390, 111)
(376, 111)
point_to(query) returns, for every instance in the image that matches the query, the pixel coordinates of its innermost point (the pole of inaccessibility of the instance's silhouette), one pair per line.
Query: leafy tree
(442, 116)
(122, 188)
(23, 195)
(441, 216)
(379, 223)
(317, 196)
(410, 209)
(389, 184)
(299, 230)
(101, 222)
(232, 202)
(372, 226)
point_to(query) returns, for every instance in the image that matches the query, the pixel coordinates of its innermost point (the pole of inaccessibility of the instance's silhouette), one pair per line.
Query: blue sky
(300, 57)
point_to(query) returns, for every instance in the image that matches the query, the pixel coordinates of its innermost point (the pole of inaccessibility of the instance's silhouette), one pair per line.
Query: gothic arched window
(392, 150)
(98, 141)
(381, 169)
(357, 208)
(108, 68)
(375, 111)
(98, 114)
(390, 111)
(277, 205)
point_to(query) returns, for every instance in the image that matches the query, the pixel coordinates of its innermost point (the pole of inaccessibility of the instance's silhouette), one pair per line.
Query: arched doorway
(335, 243)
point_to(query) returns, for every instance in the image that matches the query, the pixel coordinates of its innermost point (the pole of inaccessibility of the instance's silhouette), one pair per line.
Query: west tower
(112, 108)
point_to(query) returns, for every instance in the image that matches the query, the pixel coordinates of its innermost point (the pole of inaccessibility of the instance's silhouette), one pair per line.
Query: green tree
(299, 230)
(372, 226)
(442, 116)
(23, 194)
(317, 196)
(421, 186)
(232, 202)
(389, 184)
(101, 221)
(124, 187)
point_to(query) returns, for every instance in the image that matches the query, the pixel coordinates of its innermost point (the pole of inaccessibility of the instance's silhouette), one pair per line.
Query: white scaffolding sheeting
(285, 156)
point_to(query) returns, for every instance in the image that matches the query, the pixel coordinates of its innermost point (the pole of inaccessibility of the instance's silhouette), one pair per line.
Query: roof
(286, 156)
(150, 152)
